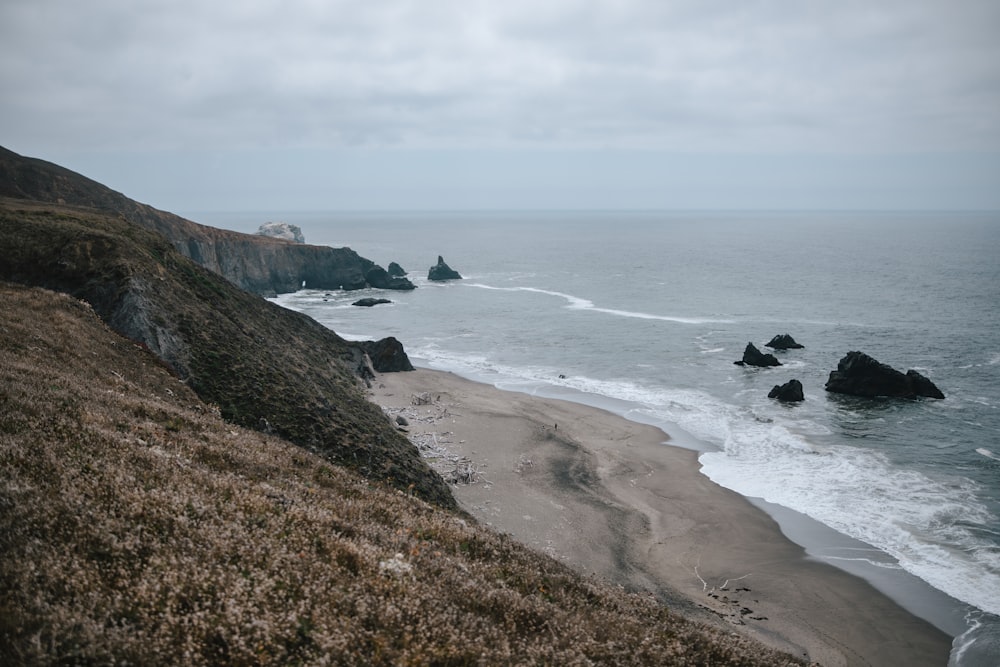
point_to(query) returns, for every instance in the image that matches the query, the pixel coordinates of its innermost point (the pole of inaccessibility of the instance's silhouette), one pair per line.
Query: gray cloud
(683, 77)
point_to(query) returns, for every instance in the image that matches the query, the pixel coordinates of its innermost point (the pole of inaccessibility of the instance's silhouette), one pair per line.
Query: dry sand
(605, 495)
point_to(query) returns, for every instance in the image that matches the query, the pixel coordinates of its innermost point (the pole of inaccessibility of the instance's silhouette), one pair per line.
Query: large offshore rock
(858, 374)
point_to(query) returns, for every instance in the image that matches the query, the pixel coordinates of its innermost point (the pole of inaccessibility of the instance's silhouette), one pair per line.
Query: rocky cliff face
(260, 264)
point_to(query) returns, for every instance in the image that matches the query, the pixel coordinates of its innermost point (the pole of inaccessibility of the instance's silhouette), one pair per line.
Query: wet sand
(606, 496)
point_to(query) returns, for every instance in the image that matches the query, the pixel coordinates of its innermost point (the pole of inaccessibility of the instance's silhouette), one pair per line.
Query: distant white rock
(282, 230)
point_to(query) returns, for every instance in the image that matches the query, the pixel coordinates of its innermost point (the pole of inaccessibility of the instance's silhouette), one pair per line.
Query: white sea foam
(987, 453)
(927, 525)
(578, 303)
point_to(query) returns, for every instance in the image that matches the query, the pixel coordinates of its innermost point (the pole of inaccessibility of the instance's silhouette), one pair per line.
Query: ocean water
(643, 313)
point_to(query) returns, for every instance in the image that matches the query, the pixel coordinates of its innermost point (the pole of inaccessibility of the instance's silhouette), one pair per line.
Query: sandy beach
(606, 496)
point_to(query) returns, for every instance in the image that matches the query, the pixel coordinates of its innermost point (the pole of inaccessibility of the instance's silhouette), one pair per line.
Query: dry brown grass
(138, 527)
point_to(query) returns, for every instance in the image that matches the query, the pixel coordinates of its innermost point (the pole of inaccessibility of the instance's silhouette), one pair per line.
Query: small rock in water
(789, 392)
(754, 357)
(783, 342)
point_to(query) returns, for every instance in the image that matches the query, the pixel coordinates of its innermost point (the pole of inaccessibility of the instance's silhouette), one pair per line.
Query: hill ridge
(261, 264)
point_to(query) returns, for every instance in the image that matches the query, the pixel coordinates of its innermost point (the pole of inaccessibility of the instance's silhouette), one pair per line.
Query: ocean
(644, 313)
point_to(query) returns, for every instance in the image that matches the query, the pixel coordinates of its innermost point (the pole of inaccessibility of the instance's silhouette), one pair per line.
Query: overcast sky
(195, 105)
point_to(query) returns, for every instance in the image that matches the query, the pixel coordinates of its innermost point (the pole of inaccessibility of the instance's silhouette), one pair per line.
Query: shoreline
(605, 495)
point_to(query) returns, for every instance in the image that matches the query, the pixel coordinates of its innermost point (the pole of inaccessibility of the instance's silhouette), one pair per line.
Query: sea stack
(754, 357)
(441, 271)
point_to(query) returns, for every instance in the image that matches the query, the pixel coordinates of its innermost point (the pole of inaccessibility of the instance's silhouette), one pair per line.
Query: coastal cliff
(260, 264)
(264, 366)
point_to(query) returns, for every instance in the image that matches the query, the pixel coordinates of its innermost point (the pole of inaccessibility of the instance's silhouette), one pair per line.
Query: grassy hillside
(138, 527)
(263, 366)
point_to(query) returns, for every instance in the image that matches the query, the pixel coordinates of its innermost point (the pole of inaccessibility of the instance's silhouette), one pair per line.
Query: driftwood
(433, 445)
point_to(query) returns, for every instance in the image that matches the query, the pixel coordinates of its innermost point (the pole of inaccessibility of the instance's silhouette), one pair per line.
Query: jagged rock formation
(381, 279)
(368, 302)
(442, 271)
(396, 270)
(790, 392)
(254, 360)
(754, 357)
(858, 374)
(282, 230)
(259, 264)
(783, 342)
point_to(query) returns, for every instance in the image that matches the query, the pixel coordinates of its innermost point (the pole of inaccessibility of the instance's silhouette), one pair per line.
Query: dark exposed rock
(858, 374)
(396, 270)
(368, 302)
(282, 230)
(783, 342)
(754, 357)
(789, 392)
(442, 271)
(387, 355)
(380, 278)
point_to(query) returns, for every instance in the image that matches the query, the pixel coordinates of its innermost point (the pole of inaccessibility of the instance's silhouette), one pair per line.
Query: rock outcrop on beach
(754, 357)
(441, 271)
(858, 374)
(368, 302)
(790, 392)
(396, 270)
(251, 358)
(259, 264)
(282, 230)
(387, 355)
(783, 342)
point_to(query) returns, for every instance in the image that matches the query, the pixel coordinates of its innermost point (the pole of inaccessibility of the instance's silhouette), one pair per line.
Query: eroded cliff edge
(260, 264)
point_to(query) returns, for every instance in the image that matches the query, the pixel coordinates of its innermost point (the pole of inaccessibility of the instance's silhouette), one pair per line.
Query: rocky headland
(259, 363)
(256, 263)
